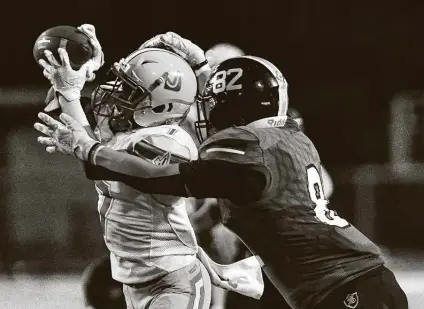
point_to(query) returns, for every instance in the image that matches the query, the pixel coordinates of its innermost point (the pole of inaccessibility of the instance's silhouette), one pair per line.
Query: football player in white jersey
(141, 110)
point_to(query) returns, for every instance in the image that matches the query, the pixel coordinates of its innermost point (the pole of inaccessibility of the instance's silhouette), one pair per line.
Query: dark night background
(344, 60)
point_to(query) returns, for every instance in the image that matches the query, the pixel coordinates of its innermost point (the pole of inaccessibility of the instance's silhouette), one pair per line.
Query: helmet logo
(162, 159)
(173, 82)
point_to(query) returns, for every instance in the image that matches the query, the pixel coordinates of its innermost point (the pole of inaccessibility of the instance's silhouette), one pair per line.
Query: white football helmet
(222, 51)
(150, 87)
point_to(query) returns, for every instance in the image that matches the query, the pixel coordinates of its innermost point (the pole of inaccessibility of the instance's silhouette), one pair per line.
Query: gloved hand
(97, 61)
(63, 78)
(189, 51)
(94, 64)
(67, 137)
(51, 101)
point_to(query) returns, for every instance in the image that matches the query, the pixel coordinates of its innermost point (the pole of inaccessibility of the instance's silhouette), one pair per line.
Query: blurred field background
(355, 71)
(65, 290)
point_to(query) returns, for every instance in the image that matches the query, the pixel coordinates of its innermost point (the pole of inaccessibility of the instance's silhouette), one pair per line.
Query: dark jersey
(309, 249)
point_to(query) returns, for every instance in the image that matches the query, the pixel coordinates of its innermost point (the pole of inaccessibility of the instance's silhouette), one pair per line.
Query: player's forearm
(124, 163)
(202, 77)
(170, 185)
(76, 111)
(200, 179)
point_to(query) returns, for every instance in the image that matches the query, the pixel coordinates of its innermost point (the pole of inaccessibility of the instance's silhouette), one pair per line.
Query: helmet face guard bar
(204, 103)
(122, 98)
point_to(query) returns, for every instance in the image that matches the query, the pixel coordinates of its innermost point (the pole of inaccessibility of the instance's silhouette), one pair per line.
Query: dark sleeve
(241, 183)
(168, 185)
(200, 179)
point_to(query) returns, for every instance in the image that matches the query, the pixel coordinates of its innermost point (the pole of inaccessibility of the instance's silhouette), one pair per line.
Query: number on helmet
(219, 81)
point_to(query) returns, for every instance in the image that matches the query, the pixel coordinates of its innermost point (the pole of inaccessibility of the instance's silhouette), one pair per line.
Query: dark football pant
(380, 290)
(186, 288)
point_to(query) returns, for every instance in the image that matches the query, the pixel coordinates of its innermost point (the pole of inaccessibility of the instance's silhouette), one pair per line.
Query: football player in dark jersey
(266, 174)
(327, 182)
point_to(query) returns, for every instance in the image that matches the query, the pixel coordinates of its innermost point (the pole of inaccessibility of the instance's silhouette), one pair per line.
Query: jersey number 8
(316, 193)
(219, 81)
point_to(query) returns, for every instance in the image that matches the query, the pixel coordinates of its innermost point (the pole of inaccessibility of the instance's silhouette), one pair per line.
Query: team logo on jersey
(173, 82)
(352, 300)
(172, 131)
(162, 159)
(276, 121)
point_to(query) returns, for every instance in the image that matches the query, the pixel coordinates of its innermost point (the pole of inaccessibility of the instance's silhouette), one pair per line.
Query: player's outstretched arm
(239, 182)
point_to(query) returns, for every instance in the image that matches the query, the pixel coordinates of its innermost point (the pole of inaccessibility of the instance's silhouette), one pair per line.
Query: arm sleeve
(231, 166)
(200, 179)
(167, 185)
(241, 183)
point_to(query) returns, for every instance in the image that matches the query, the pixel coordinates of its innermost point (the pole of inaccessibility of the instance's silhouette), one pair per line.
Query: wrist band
(95, 153)
(92, 152)
(199, 65)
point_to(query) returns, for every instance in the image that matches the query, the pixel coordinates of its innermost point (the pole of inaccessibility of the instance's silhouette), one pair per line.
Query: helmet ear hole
(163, 108)
(159, 109)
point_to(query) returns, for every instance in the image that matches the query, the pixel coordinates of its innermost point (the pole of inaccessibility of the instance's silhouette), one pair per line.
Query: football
(74, 41)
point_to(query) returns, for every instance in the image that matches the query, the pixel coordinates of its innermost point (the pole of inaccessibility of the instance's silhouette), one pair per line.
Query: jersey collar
(270, 122)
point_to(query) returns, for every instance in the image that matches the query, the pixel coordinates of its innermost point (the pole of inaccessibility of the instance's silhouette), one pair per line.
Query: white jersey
(147, 235)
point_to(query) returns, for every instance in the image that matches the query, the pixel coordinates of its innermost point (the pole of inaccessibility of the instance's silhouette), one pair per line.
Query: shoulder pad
(234, 145)
(164, 145)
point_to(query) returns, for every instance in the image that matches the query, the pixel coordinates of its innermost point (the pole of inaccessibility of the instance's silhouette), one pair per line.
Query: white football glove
(68, 137)
(189, 51)
(63, 78)
(94, 64)
(97, 61)
(51, 101)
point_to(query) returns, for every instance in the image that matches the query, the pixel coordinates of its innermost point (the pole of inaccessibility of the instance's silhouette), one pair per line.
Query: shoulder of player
(240, 134)
(166, 138)
(171, 131)
(232, 144)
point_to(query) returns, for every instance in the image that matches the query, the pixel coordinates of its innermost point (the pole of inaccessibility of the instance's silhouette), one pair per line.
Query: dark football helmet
(239, 91)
